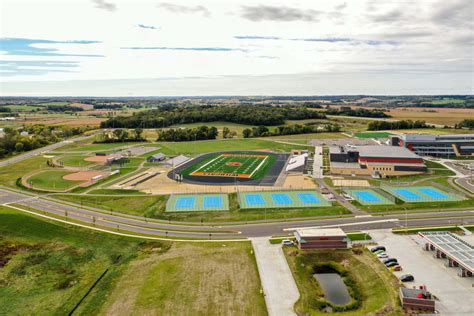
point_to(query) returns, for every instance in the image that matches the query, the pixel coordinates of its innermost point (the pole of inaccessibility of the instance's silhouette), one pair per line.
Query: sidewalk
(279, 287)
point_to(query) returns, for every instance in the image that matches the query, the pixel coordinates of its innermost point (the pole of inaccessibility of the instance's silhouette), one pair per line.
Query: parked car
(407, 278)
(391, 264)
(396, 268)
(286, 242)
(377, 248)
(385, 261)
(382, 255)
(378, 252)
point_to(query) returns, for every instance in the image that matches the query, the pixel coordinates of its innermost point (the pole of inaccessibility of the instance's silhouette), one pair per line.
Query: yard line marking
(258, 167)
(207, 163)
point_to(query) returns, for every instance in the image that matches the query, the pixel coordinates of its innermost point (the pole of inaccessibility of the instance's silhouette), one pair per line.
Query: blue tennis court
(421, 194)
(281, 199)
(212, 202)
(254, 200)
(435, 194)
(368, 197)
(197, 203)
(184, 202)
(308, 198)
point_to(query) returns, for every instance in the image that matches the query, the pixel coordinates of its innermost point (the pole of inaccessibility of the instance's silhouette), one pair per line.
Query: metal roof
(323, 232)
(453, 246)
(386, 152)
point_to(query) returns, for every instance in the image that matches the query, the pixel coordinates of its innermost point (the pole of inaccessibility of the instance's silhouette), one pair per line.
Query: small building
(417, 300)
(156, 158)
(321, 238)
(24, 133)
(176, 161)
(297, 163)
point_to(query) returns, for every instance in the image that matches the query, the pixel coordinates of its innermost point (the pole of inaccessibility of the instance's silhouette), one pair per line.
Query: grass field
(372, 135)
(249, 165)
(96, 147)
(190, 279)
(46, 268)
(76, 161)
(9, 174)
(377, 287)
(442, 116)
(51, 180)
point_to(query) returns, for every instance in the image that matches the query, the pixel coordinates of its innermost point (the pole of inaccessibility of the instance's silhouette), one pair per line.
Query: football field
(238, 165)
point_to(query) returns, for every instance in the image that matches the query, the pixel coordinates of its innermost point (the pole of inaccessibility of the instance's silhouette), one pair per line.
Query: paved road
(41, 150)
(141, 225)
(279, 287)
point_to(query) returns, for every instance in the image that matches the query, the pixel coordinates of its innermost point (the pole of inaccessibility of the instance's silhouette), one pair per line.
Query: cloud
(327, 39)
(282, 14)
(24, 47)
(23, 67)
(207, 49)
(256, 37)
(102, 4)
(150, 27)
(387, 17)
(341, 6)
(454, 13)
(182, 9)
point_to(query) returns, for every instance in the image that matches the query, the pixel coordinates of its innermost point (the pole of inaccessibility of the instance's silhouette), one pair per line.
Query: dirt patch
(99, 159)
(84, 175)
(7, 251)
(82, 106)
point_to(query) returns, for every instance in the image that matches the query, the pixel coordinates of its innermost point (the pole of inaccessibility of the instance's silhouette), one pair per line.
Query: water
(335, 291)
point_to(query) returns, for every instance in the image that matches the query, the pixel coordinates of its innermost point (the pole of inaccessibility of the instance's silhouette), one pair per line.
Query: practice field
(368, 197)
(281, 199)
(421, 194)
(372, 135)
(249, 165)
(197, 203)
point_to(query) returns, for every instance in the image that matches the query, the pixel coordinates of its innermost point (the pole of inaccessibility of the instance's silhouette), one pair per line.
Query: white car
(383, 255)
(286, 242)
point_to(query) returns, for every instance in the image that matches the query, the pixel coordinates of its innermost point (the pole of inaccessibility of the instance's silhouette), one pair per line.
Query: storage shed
(321, 238)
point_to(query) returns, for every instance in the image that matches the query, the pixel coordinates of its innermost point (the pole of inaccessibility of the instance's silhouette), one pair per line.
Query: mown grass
(377, 287)
(76, 161)
(52, 180)
(49, 267)
(154, 207)
(9, 174)
(190, 279)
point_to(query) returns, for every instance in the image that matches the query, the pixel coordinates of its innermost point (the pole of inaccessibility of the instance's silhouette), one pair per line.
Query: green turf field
(247, 165)
(76, 161)
(372, 135)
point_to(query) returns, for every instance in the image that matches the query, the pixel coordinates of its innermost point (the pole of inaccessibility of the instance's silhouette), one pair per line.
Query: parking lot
(455, 294)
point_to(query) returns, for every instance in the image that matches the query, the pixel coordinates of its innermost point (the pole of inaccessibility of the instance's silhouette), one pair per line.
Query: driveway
(455, 294)
(280, 289)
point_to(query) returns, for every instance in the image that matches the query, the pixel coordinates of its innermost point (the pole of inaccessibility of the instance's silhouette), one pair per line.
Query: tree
(225, 132)
(138, 133)
(19, 147)
(247, 133)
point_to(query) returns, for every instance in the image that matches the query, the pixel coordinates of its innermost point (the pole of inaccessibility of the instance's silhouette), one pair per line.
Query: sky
(245, 47)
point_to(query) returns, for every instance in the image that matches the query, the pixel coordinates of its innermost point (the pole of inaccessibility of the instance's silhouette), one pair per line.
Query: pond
(335, 291)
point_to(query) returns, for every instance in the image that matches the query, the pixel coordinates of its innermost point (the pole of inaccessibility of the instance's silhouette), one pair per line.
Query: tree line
(187, 134)
(120, 136)
(359, 112)
(242, 114)
(37, 136)
(263, 131)
(467, 123)
(63, 108)
(404, 124)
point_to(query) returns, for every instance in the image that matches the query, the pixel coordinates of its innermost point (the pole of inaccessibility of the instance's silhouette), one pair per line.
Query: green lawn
(48, 267)
(235, 164)
(200, 147)
(154, 207)
(372, 287)
(76, 161)
(372, 135)
(89, 146)
(51, 180)
(9, 174)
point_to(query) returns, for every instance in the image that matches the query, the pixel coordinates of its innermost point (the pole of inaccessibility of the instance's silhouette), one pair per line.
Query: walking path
(279, 287)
